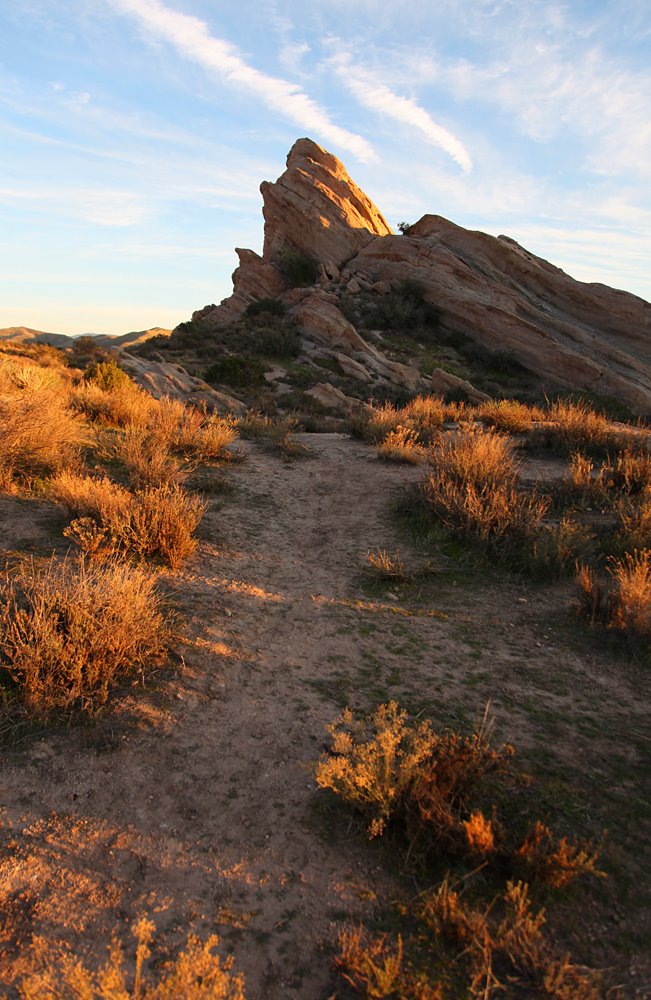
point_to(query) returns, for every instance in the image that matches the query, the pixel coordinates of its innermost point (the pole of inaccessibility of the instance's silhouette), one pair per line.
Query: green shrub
(298, 268)
(269, 307)
(236, 370)
(107, 375)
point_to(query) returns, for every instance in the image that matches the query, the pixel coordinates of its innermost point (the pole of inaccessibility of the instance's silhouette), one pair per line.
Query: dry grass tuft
(69, 632)
(197, 973)
(276, 431)
(472, 489)
(193, 432)
(387, 566)
(626, 605)
(630, 601)
(502, 948)
(571, 426)
(477, 456)
(126, 405)
(423, 415)
(508, 415)
(369, 965)
(147, 459)
(555, 862)
(401, 445)
(155, 521)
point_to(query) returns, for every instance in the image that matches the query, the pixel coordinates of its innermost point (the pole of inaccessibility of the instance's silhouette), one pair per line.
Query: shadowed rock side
(569, 333)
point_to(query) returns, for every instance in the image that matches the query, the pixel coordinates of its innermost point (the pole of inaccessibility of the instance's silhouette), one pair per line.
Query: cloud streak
(191, 37)
(378, 97)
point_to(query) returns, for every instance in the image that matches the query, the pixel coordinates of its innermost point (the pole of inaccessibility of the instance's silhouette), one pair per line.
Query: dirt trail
(204, 812)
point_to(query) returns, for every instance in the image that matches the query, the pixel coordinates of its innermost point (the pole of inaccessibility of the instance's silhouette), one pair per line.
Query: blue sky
(135, 134)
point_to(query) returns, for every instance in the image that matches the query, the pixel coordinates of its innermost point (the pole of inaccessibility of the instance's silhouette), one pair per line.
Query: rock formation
(569, 333)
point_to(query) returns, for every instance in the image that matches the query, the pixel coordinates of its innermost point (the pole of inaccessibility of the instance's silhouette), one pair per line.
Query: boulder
(443, 382)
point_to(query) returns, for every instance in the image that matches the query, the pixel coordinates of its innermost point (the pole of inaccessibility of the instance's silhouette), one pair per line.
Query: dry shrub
(145, 456)
(472, 489)
(436, 790)
(70, 631)
(370, 965)
(626, 605)
(508, 415)
(555, 548)
(155, 521)
(127, 405)
(401, 445)
(194, 432)
(491, 514)
(630, 600)
(634, 523)
(387, 566)
(581, 472)
(373, 423)
(423, 415)
(502, 947)
(555, 862)
(197, 973)
(277, 431)
(576, 425)
(477, 456)
(375, 762)
(628, 473)
(38, 431)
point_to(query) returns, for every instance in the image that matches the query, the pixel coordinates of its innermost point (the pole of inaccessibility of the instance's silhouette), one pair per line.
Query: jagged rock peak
(317, 208)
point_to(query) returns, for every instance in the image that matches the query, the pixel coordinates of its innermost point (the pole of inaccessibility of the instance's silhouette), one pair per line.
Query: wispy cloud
(191, 37)
(373, 94)
(103, 207)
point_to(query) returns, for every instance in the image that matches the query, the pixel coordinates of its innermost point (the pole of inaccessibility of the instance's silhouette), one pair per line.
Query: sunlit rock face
(314, 208)
(572, 334)
(318, 209)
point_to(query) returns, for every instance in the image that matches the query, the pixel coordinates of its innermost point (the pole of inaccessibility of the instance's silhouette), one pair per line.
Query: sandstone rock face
(571, 334)
(314, 207)
(578, 335)
(320, 319)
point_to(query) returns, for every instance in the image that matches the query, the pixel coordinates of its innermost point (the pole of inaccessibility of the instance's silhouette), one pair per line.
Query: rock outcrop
(571, 333)
(491, 290)
(313, 208)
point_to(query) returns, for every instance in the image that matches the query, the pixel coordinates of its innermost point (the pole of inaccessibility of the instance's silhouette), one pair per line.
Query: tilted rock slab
(314, 207)
(570, 333)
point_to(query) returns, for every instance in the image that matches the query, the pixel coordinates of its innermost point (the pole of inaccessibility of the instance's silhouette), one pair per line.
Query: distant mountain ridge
(25, 335)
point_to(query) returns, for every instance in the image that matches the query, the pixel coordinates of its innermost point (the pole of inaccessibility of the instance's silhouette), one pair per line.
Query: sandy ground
(194, 800)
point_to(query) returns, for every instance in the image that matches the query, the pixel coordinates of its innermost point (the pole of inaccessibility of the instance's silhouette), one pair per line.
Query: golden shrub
(154, 521)
(70, 631)
(197, 973)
